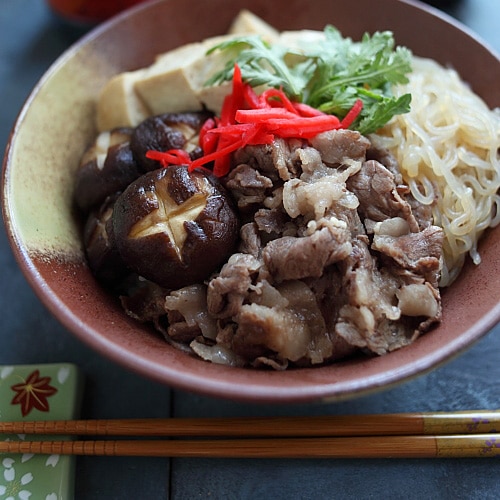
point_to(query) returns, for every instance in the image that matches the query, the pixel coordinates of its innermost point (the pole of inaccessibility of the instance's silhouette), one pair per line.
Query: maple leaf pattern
(33, 393)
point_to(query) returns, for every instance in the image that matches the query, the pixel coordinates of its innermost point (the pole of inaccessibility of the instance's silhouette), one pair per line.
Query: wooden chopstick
(440, 423)
(452, 446)
(397, 435)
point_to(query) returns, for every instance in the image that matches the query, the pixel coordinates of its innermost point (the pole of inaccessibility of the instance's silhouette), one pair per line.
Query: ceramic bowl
(57, 123)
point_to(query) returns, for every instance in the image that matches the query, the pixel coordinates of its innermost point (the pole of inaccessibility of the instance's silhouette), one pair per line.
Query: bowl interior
(57, 124)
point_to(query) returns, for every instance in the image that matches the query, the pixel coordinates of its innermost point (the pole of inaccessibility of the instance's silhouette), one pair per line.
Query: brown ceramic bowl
(57, 123)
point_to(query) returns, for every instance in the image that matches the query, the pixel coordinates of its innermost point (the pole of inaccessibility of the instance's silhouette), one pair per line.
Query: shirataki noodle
(447, 147)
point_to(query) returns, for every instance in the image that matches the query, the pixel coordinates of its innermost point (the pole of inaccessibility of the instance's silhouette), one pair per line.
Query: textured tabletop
(29, 42)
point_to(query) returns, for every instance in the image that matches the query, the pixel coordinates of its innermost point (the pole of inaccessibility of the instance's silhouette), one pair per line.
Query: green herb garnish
(330, 74)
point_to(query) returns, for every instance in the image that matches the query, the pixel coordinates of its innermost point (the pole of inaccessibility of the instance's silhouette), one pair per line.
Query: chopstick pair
(403, 435)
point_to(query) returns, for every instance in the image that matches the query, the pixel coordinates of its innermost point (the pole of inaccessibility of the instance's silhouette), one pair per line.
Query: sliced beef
(328, 293)
(248, 186)
(188, 315)
(293, 332)
(418, 252)
(227, 292)
(377, 314)
(419, 300)
(250, 241)
(180, 331)
(258, 157)
(331, 261)
(313, 199)
(336, 146)
(145, 301)
(272, 221)
(216, 353)
(294, 258)
(422, 213)
(277, 160)
(369, 298)
(386, 158)
(378, 195)
(285, 158)
(373, 292)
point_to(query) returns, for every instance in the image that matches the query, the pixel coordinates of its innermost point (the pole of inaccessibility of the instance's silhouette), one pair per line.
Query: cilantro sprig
(330, 74)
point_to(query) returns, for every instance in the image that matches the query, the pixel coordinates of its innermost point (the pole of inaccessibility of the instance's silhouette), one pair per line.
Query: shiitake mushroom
(175, 227)
(106, 168)
(118, 157)
(167, 131)
(99, 242)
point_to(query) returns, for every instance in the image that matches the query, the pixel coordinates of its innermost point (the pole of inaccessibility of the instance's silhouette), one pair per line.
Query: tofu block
(175, 82)
(164, 86)
(247, 22)
(201, 70)
(118, 105)
(213, 97)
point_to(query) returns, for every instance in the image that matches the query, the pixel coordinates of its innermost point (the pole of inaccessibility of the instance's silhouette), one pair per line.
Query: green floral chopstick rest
(38, 392)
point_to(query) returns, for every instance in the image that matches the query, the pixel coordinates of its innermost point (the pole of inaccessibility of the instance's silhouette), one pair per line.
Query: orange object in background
(89, 11)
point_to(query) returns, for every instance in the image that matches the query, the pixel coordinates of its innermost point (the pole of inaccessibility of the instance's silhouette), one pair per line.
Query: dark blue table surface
(29, 42)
